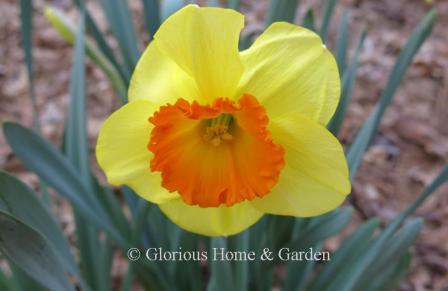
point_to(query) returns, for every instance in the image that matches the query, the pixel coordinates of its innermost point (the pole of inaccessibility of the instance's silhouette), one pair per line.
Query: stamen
(218, 129)
(226, 147)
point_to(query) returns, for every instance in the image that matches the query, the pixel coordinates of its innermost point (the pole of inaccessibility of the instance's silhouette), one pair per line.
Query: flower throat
(218, 129)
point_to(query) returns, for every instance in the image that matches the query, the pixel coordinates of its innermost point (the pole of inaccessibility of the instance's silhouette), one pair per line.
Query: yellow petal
(157, 78)
(315, 178)
(204, 43)
(122, 153)
(289, 69)
(211, 221)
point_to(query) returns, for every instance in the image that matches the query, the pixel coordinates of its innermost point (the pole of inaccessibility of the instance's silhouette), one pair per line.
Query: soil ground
(408, 151)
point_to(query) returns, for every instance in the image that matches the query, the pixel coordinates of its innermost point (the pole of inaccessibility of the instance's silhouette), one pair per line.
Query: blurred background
(409, 149)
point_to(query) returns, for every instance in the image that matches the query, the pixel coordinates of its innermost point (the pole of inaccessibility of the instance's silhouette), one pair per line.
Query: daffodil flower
(218, 137)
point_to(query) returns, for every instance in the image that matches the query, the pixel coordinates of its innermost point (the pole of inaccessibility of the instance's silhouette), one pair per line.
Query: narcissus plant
(218, 137)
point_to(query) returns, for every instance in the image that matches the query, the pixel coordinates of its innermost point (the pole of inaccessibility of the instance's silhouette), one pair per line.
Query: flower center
(215, 154)
(218, 129)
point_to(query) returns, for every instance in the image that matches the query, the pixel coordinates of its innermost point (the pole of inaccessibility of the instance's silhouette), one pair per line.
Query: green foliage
(26, 17)
(40, 257)
(282, 10)
(101, 58)
(121, 25)
(328, 13)
(361, 142)
(29, 249)
(151, 9)
(308, 20)
(347, 85)
(342, 42)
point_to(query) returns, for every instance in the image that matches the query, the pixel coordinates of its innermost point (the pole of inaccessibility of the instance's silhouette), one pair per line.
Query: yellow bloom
(218, 137)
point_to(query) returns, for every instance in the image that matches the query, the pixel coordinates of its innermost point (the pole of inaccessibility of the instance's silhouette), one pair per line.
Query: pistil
(218, 129)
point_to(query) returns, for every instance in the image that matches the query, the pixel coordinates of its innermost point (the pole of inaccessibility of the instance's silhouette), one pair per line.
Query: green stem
(67, 31)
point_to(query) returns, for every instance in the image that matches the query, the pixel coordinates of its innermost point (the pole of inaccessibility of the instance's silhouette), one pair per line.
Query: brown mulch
(409, 150)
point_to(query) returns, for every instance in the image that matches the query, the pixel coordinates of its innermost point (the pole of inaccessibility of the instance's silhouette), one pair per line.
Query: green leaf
(23, 281)
(282, 10)
(44, 159)
(396, 248)
(170, 6)
(342, 42)
(67, 31)
(347, 87)
(160, 233)
(77, 152)
(328, 13)
(308, 20)
(259, 272)
(188, 274)
(234, 4)
(347, 282)
(279, 229)
(350, 249)
(120, 23)
(105, 258)
(24, 204)
(221, 277)
(245, 41)
(109, 201)
(213, 3)
(310, 233)
(26, 17)
(29, 249)
(298, 272)
(364, 136)
(100, 40)
(389, 278)
(7, 282)
(321, 227)
(41, 157)
(151, 10)
(242, 268)
(76, 144)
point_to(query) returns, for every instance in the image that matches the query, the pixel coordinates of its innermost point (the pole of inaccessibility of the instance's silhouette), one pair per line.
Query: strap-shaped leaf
(100, 40)
(67, 31)
(259, 273)
(26, 17)
(121, 25)
(342, 42)
(351, 248)
(221, 271)
(328, 13)
(282, 10)
(389, 277)
(77, 152)
(22, 281)
(322, 227)
(241, 269)
(348, 282)
(44, 159)
(151, 10)
(170, 6)
(188, 274)
(75, 137)
(213, 3)
(24, 204)
(298, 272)
(347, 88)
(364, 136)
(396, 248)
(234, 4)
(30, 250)
(7, 282)
(309, 20)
